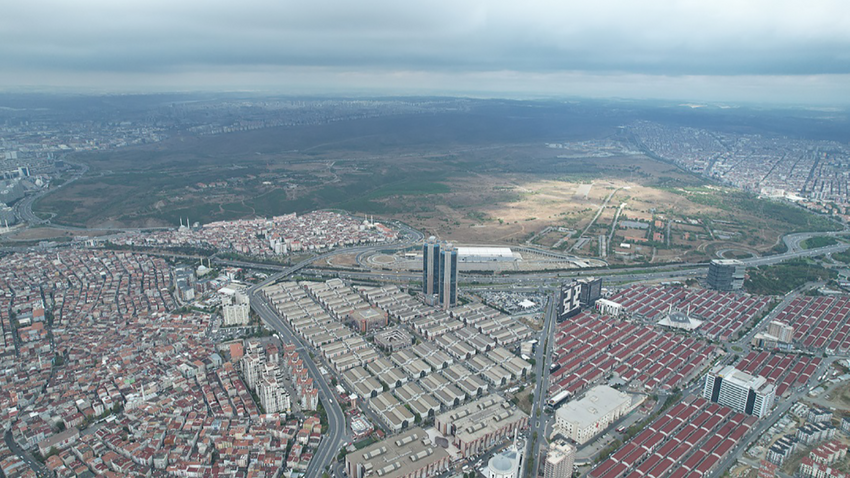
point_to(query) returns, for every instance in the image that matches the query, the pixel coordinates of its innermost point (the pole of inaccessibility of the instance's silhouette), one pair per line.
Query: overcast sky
(695, 50)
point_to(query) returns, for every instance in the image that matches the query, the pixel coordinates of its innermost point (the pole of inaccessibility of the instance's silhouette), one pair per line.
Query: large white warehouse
(485, 254)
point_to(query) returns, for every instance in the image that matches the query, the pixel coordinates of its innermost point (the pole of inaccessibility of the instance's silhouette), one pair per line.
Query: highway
(660, 272)
(539, 420)
(794, 241)
(533, 279)
(770, 260)
(335, 436)
(23, 208)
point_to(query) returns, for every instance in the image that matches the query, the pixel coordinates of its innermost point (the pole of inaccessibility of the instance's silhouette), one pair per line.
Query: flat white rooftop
(742, 379)
(485, 251)
(597, 403)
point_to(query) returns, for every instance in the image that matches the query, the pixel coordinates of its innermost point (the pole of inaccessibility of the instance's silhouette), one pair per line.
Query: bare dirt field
(48, 234)
(339, 260)
(511, 209)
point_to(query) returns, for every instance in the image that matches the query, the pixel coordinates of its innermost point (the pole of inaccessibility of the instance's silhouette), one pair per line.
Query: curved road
(23, 208)
(794, 241)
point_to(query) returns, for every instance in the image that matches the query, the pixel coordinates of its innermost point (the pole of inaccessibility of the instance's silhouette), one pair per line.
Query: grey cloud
(669, 37)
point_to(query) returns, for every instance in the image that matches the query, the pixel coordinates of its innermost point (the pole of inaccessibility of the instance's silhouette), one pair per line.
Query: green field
(820, 241)
(726, 199)
(782, 278)
(842, 257)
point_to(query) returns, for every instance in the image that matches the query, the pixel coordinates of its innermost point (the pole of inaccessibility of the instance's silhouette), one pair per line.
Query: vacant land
(47, 234)
(781, 278)
(498, 174)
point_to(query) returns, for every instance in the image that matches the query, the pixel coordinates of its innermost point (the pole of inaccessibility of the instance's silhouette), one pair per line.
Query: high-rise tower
(448, 277)
(726, 274)
(739, 390)
(431, 267)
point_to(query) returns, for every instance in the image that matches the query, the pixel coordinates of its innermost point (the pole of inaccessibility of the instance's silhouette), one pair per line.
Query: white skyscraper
(739, 391)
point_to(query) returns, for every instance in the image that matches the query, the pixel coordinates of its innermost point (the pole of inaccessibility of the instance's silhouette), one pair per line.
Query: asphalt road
(671, 272)
(770, 260)
(598, 213)
(783, 406)
(23, 208)
(794, 241)
(539, 421)
(34, 465)
(335, 435)
(765, 423)
(334, 440)
(745, 341)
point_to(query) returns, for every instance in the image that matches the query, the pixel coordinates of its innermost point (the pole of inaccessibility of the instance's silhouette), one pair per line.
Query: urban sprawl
(238, 349)
(122, 363)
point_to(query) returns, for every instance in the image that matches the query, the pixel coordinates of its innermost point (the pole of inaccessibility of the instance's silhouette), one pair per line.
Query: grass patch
(360, 195)
(820, 241)
(782, 278)
(798, 219)
(409, 188)
(523, 399)
(842, 256)
(364, 443)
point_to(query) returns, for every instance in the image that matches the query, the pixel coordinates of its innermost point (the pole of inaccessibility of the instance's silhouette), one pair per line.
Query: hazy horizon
(758, 52)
